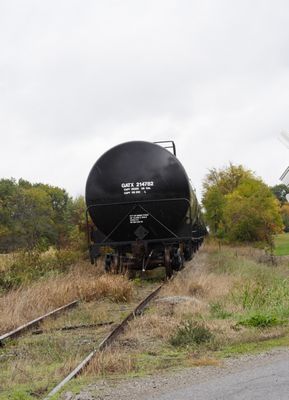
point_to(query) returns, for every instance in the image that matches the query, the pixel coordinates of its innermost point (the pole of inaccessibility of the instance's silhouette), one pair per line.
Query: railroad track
(95, 336)
(24, 328)
(106, 342)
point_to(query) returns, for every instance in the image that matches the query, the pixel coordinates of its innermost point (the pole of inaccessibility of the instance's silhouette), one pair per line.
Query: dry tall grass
(82, 282)
(111, 361)
(148, 326)
(6, 260)
(198, 280)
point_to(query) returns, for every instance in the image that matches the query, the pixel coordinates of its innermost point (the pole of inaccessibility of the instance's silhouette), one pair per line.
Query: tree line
(38, 216)
(238, 207)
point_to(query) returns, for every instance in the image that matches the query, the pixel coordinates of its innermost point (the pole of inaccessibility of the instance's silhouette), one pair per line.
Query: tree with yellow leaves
(239, 206)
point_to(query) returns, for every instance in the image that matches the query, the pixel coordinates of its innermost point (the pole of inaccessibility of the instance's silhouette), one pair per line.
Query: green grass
(282, 244)
(253, 347)
(260, 294)
(29, 366)
(261, 320)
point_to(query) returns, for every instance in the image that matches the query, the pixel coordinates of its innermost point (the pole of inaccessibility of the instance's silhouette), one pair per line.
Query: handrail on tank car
(135, 204)
(163, 240)
(173, 146)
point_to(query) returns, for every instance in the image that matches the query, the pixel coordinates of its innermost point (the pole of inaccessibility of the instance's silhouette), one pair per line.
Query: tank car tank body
(142, 208)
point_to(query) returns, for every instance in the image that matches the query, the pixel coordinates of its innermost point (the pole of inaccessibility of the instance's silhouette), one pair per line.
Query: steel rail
(23, 328)
(105, 342)
(74, 327)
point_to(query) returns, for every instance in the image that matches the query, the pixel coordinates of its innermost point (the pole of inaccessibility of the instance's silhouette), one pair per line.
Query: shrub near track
(189, 334)
(26, 267)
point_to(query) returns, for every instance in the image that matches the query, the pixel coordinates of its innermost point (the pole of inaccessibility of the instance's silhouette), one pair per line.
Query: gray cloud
(79, 77)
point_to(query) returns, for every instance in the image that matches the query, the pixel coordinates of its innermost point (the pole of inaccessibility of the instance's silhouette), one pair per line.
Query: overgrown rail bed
(226, 301)
(20, 330)
(106, 342)
(83, 281)
(34, 364)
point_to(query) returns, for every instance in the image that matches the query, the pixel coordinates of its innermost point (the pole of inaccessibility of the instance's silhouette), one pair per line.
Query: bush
(260, 320)
(33, 265)
(191, 334)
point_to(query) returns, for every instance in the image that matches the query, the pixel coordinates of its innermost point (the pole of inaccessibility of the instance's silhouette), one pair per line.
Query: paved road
(269, 382)
(250, 377)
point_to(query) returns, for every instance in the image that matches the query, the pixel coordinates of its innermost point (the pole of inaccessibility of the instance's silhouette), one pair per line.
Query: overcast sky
(78, 77)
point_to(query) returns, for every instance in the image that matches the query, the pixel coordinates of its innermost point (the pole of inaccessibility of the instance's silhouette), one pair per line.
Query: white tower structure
(284, 138)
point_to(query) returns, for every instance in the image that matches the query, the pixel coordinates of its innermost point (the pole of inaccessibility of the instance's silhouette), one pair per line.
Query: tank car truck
(142, 212)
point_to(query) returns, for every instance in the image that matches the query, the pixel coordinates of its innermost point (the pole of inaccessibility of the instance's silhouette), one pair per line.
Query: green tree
(216, 186)
(78, 223)
(226, 179)
(60, 202)
(251, 213)
(8, 192)
(285, 216)
(239, 206)
(280, 192)
(214, 203)
(34, 215)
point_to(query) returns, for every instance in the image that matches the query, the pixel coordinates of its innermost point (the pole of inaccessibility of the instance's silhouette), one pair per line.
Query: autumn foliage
(239, 206)
(38, 216)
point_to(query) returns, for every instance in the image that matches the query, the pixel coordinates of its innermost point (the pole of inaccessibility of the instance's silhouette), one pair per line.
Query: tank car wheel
(131, 273)
(182, 262)
(188, 252)
(122, 265)
(107, 262)
(115, 264)
(119, 264)
(168, 263)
